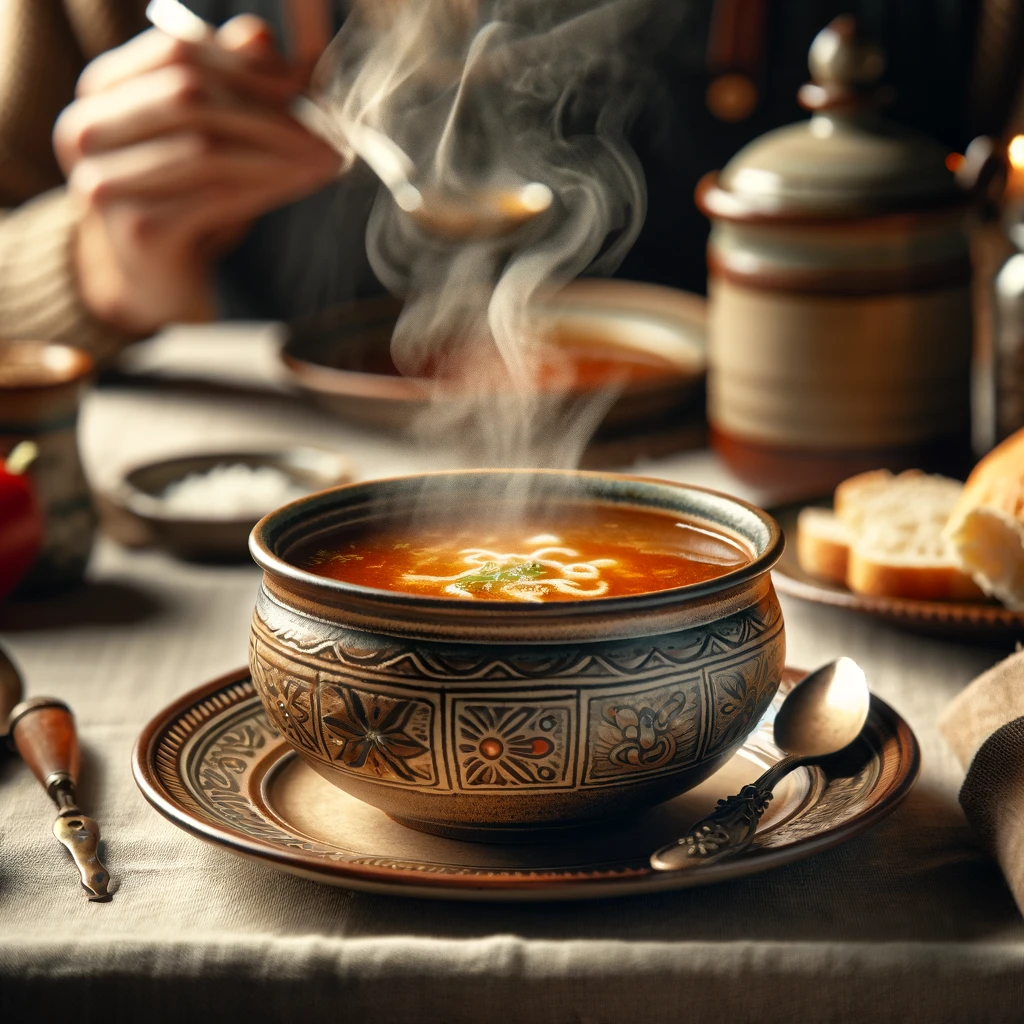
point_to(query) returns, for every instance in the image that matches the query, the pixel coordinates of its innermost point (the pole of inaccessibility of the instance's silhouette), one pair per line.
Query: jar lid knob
(845, 69)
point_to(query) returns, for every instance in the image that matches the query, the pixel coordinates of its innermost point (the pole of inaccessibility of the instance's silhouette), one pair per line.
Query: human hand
(173, 148)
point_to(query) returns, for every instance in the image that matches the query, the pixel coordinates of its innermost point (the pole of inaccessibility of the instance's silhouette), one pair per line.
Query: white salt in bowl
(203, 506)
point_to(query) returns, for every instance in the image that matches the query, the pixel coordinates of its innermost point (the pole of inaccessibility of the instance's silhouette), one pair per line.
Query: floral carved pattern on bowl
(501, 746)
(594, 715)
(287, 700)
(742, 694)
(642, 732)
(375, 734)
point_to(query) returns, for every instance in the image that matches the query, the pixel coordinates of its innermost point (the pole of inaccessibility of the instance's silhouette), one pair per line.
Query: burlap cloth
(985, 727)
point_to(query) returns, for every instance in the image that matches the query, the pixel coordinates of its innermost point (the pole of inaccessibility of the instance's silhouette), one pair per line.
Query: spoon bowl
(825, 711)
(479, 213)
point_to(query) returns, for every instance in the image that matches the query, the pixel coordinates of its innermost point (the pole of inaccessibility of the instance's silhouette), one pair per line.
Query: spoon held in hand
(467, 215)
(822, 714)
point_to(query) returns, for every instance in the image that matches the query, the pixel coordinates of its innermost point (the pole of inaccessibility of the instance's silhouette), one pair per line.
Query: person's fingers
(142, 107)
(183, 231)
(166, 102)
(308, 31)
(265, 79)
(252, 39)
(179, 164)
(219, 213)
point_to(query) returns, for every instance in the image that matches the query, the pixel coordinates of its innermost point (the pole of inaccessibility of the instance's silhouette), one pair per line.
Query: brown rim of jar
(848, 281)
(718, 203)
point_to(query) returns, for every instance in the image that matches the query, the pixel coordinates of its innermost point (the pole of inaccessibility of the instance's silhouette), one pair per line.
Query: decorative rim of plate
(164, 742)
(791, 580)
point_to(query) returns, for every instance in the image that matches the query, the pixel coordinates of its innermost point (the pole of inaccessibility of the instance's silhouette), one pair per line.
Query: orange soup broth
(583, 553)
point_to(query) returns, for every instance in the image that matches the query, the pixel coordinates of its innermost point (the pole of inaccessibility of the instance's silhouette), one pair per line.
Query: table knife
(43, 731)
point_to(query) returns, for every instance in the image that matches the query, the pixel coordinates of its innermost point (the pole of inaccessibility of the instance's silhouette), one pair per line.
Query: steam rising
(484, 98)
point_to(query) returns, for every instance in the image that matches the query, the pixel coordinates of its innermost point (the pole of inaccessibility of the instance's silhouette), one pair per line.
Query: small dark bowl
(213, 537)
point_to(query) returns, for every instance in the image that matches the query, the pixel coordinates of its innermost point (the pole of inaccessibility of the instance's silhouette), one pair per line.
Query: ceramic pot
(839, 315)
(499, 720)
(41, 386)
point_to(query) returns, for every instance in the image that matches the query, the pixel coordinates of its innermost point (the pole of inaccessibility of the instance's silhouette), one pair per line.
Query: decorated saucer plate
(212, 764)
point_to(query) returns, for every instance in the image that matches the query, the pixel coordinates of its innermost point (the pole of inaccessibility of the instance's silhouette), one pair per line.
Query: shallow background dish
(341, 359)
(142, 518)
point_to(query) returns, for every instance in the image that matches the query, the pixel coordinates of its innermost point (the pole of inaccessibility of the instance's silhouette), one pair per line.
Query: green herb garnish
(490, 573)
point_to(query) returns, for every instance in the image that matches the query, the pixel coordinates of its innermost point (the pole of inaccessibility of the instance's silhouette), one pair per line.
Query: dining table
(909, 921)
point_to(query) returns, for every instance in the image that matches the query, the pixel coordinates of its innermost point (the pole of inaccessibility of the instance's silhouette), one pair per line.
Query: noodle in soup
(581, 553)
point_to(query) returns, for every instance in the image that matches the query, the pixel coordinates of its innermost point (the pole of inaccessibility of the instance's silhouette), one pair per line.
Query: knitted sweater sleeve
(38, 294)
(44, 44)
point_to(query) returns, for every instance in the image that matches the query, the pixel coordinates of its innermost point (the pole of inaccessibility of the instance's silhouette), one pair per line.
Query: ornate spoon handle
(729, 828)
(43, 730)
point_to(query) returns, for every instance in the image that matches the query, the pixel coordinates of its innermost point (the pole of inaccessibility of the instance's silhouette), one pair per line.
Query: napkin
(985, 727)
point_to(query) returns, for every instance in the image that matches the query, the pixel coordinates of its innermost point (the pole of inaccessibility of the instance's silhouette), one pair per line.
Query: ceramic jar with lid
(840, 314)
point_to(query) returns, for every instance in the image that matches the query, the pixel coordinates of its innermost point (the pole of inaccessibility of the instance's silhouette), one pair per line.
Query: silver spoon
(479, 213)
(822, 714)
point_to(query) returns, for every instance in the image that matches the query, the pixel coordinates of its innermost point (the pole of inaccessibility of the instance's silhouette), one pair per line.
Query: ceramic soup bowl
(506, 720)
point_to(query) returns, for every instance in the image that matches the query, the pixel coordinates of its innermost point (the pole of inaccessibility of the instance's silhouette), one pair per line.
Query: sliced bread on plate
(906, 558)
(893, 529)
(823, 544)
(908, 496)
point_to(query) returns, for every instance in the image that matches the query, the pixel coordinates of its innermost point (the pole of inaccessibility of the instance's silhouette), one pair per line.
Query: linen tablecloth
(911, 921)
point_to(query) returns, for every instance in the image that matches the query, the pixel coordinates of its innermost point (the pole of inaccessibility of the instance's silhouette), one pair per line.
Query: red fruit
(21, 518)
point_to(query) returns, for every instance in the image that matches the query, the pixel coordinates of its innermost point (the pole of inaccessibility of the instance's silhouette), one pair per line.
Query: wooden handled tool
(43, 731)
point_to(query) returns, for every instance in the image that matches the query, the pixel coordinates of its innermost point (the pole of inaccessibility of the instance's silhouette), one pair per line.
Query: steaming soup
(581, 553)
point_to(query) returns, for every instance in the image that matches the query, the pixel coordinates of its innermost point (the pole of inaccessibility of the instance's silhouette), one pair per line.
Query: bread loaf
(986, 527)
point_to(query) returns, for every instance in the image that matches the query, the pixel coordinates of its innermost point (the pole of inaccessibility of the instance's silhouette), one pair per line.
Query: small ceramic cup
(41, 385)
(504, 721)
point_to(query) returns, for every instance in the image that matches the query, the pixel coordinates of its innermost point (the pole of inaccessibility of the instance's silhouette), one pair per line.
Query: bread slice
(910, 497)
(910, 558)
(823, 544)
(986, 528)
(854, 496)
(894, 529)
